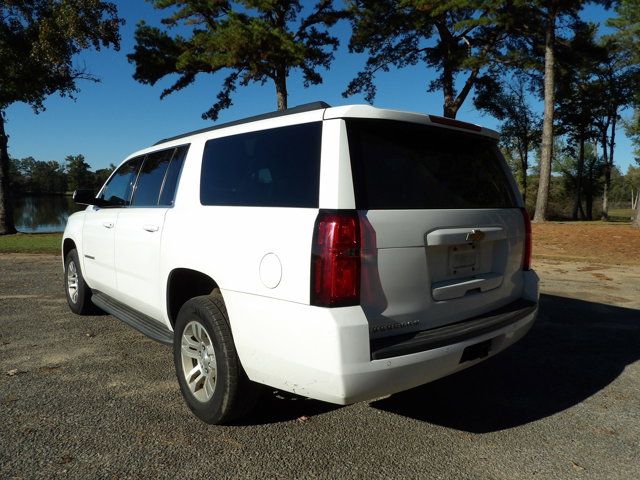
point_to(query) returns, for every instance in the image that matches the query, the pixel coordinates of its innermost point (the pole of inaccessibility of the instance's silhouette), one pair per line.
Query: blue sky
(111, 119)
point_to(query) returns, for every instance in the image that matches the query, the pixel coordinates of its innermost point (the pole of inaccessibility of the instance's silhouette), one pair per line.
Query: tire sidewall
(214, 410)
(79, 306)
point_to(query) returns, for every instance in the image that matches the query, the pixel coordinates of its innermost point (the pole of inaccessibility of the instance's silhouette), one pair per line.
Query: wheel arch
(67, 245)
(184, 284)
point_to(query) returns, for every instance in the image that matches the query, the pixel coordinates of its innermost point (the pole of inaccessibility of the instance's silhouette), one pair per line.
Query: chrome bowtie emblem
(475, 235)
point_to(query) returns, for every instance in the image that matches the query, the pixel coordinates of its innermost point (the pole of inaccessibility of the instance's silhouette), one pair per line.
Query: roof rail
(306, 107)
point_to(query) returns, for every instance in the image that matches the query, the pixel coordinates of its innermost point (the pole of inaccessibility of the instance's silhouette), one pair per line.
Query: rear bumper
(473, 328)
(326, 354)
(390, 375)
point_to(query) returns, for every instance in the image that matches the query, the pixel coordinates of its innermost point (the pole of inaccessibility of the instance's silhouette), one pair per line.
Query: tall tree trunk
(577, 204)
(605, 193)
(636, 220)
(281, 88)
(449, 108)
(588, 196)
(547, 125)
(608, 167)
(6, 211)
(524, 165)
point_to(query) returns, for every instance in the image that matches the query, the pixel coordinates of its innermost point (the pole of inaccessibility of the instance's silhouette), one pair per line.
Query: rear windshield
(398, 165)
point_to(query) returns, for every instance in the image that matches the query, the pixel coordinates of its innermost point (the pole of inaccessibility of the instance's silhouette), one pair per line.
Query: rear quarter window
(279, 167)
(398, 165)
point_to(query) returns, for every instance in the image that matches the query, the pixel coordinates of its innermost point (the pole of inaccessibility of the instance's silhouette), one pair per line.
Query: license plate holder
(463, 259)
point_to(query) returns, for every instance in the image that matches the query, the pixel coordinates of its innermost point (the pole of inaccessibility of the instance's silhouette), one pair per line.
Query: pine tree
(252, 40)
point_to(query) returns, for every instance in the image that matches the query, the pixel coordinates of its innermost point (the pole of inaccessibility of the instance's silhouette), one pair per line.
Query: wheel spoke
(202, 334)
(188, 341)
(209, 386)
(197, 382)
(189, 375)
(189, 350)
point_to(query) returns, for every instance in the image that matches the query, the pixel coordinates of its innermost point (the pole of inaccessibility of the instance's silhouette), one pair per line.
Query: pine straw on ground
(616, 244)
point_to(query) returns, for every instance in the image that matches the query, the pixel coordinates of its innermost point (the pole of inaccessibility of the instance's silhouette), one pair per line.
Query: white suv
(341, 254)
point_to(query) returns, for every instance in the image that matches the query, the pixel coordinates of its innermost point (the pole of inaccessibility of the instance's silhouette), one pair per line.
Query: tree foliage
(537, 38)
(627, 25)
(627, 35)
(31, 176)
(250, 40)
(521, 126)
(38, 41)
(578, 106)
(461, 39)
(78, 174)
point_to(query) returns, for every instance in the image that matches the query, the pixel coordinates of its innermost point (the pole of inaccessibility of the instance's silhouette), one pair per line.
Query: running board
(141, 322)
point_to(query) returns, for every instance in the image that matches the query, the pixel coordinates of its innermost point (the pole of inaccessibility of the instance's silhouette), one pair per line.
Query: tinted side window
(399, 165)
(171, 178)
(279, 167)
(118, 189)
(151, 177)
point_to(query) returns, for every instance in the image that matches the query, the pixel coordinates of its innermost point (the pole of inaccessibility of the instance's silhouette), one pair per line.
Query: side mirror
(86, 197)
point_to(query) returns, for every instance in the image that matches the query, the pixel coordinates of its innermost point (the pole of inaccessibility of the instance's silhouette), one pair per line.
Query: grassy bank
(31, 243)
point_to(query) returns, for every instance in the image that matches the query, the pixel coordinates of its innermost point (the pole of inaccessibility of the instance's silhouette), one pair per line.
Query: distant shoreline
(42, 194)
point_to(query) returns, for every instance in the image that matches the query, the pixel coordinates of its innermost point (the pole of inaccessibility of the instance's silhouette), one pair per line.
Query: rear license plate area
(475, 352)
(463, 259)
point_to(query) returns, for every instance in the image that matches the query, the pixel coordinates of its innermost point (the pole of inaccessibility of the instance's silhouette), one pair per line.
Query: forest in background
(586, 75)
(37, 177)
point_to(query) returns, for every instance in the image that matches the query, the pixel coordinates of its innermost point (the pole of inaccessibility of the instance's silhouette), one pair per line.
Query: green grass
(621, 212)
(31, 243)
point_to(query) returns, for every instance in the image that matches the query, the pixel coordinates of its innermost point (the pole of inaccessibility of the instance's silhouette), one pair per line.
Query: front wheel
(77, 291)
(212, 381)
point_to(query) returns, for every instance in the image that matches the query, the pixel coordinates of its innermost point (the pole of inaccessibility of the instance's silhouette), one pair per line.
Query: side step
(141, 322)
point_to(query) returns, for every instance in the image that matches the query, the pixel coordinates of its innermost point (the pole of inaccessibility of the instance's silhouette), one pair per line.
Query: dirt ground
(88, 397)
(612, 244)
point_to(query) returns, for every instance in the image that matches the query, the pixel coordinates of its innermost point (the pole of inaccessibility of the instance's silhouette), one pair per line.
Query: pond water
(46, 213)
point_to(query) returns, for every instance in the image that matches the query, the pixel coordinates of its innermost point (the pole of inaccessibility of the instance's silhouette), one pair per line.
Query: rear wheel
(212, 381)
(77, 291)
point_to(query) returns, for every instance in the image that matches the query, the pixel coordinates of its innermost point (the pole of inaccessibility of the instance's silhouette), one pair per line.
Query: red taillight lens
(335, 259)
(526, 257)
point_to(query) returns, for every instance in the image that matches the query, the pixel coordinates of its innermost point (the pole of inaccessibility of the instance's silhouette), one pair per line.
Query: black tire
(233, 394)
(79, 302)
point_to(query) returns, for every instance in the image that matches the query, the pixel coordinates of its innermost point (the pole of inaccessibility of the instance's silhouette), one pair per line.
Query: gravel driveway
(88, 397)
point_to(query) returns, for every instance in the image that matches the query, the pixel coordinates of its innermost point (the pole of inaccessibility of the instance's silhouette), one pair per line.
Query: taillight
(335, 259)
(526, 257)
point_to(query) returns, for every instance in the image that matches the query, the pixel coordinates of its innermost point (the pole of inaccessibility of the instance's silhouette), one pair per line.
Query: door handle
(151, 228)
(107, 224)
